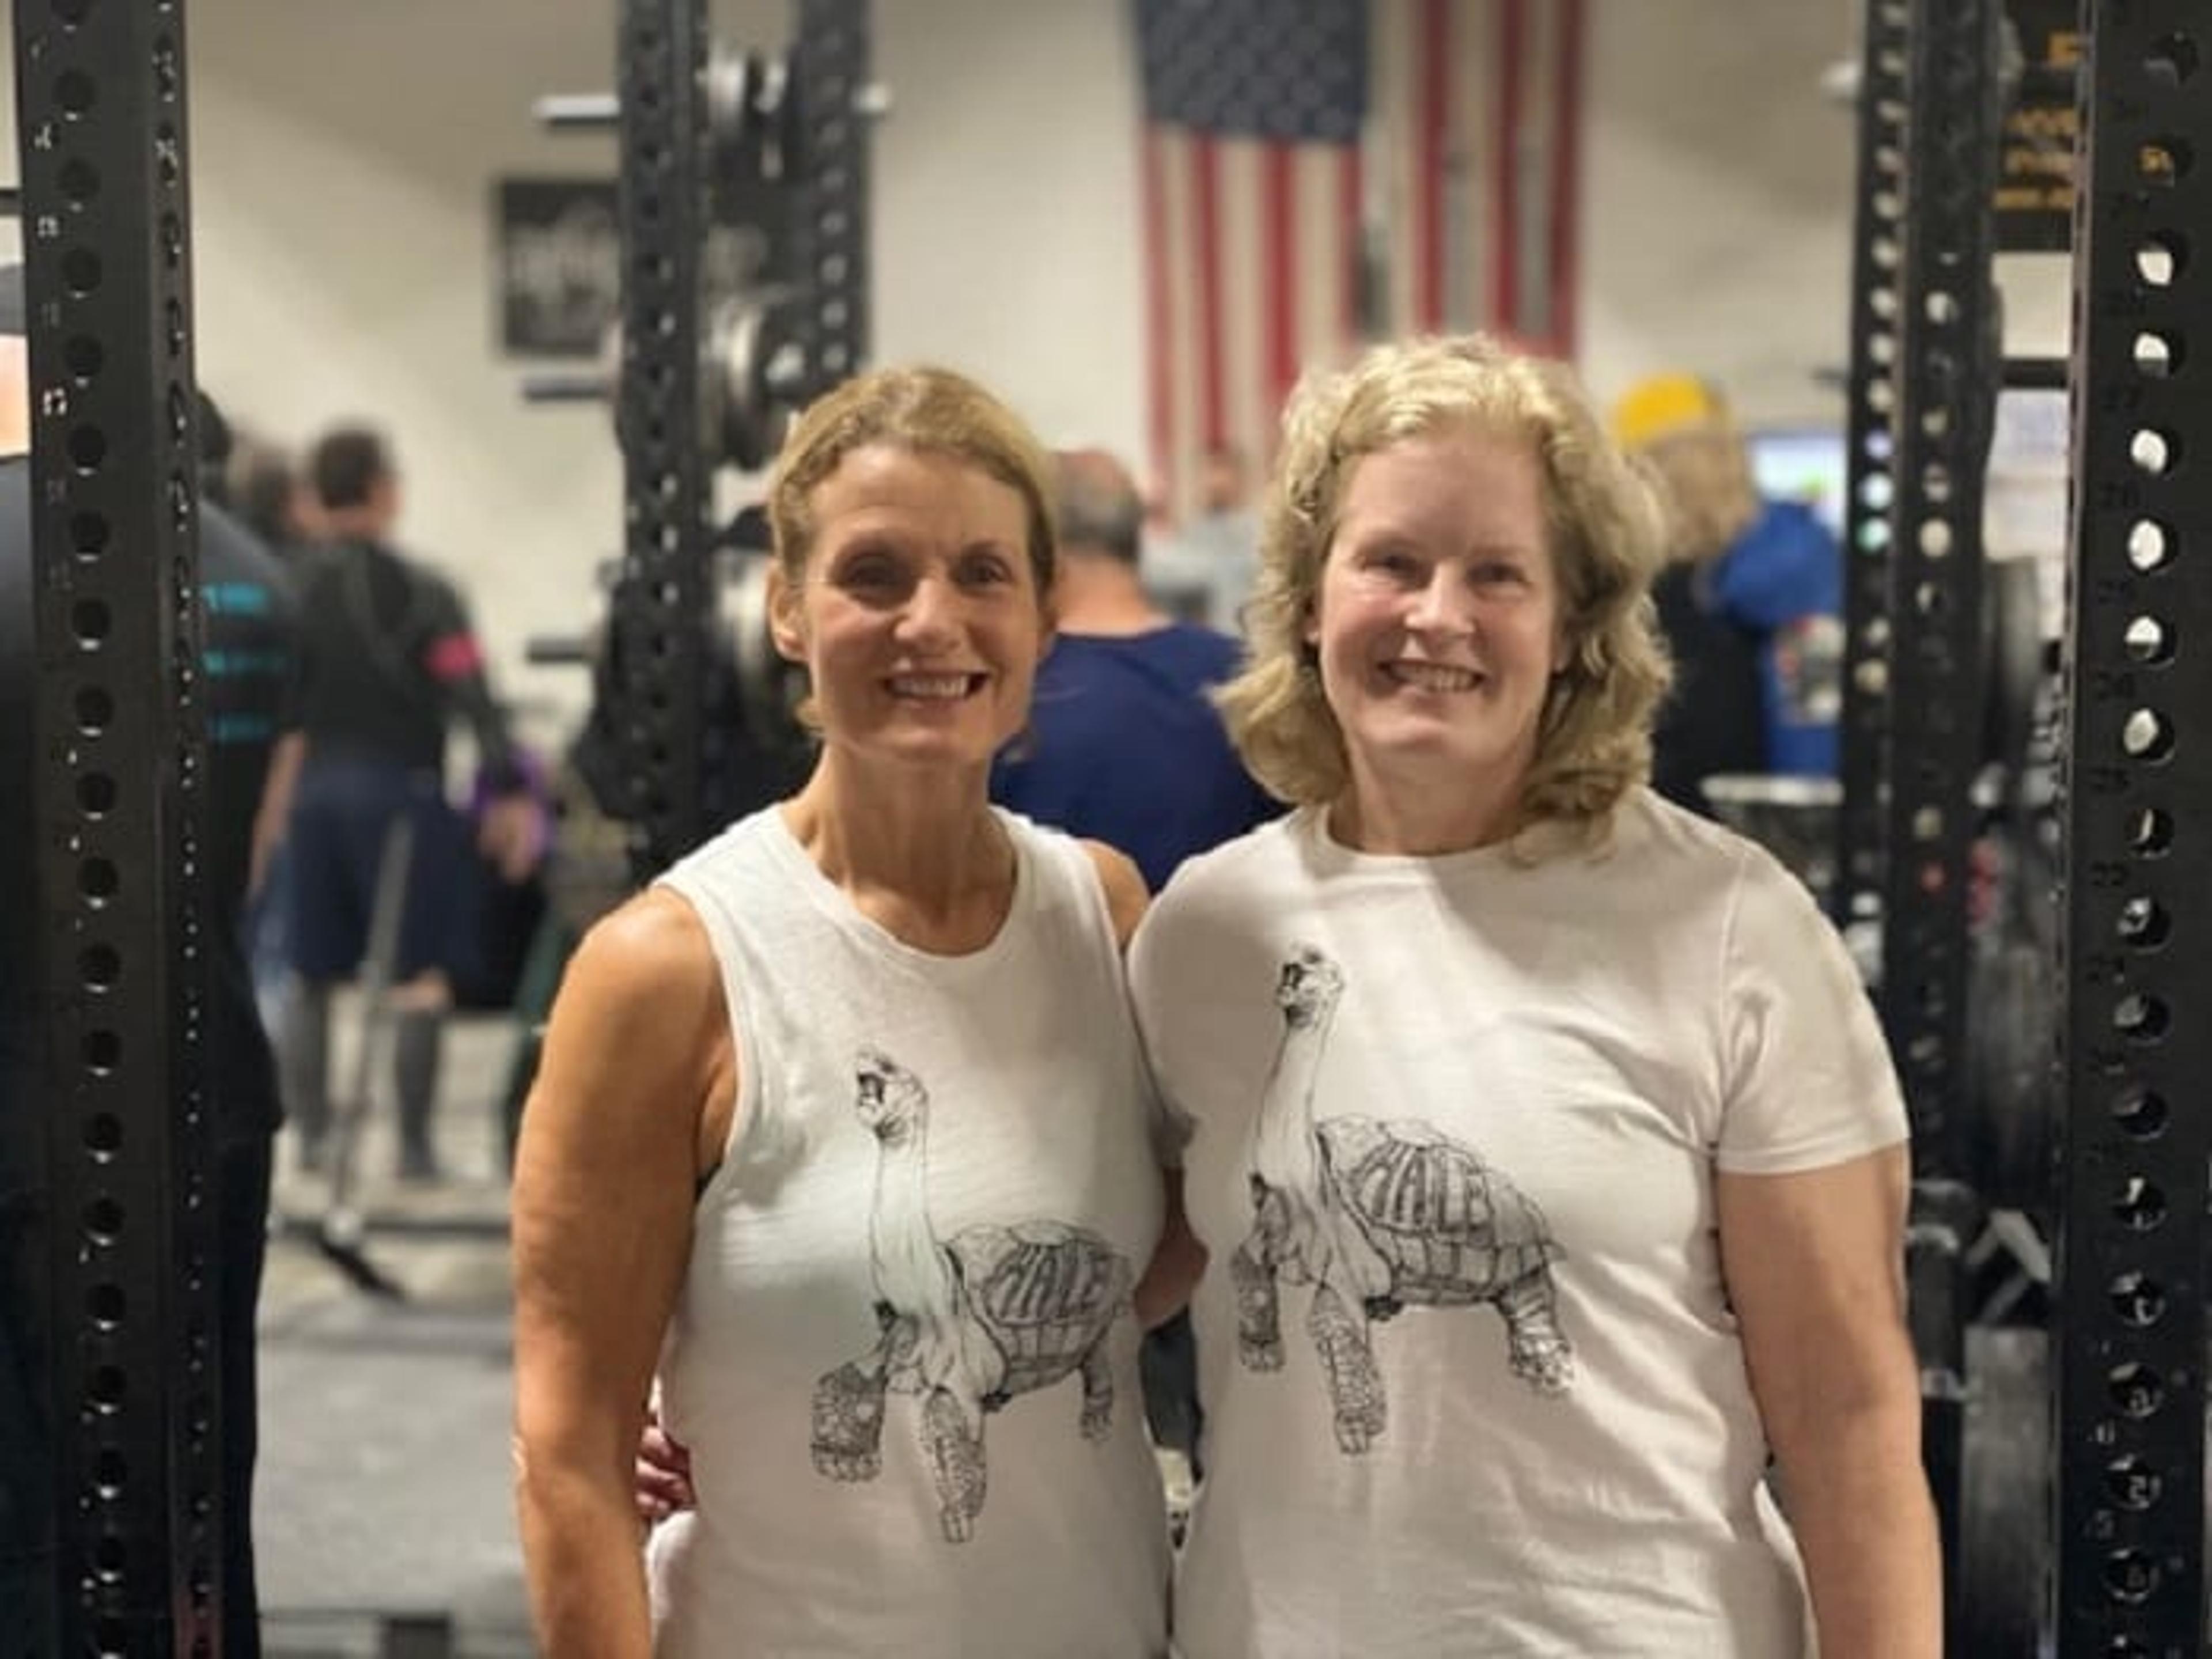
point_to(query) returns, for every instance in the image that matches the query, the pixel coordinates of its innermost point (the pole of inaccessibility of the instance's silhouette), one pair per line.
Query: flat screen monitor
(1802, 463)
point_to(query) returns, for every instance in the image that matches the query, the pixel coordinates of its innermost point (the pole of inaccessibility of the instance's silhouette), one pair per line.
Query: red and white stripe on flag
(1254, 251)
(1456, 210)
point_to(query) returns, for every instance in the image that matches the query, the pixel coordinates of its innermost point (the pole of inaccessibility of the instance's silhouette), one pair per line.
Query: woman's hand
(663, 1472)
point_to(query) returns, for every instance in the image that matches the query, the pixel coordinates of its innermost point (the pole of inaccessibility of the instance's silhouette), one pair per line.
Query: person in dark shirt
(1125, 747)
(1711, 725)
(28, 1566)
(265, 491)
(249, 622)
(388, 659)
(245, 666)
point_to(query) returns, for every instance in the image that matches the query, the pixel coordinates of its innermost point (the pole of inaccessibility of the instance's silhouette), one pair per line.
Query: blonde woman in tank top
(842, 1133)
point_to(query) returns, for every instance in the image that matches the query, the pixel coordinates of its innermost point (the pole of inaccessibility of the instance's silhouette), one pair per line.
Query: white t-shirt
(1454, 1123)
(904, 1355)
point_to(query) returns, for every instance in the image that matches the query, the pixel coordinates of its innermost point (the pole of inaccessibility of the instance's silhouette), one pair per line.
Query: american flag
(1320, 172)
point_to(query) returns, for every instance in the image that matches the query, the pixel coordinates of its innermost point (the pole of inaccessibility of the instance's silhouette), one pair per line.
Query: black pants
(28, 1560)
(243, 1185)
(30, 1566)
(1168, 1366)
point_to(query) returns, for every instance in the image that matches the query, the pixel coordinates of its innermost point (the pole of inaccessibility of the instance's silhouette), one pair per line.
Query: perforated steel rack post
(659, 604)
(2131, 1321)
(1946, 400)
(829, 75)
(1946, 388)
(119, 802)
(1877, 254)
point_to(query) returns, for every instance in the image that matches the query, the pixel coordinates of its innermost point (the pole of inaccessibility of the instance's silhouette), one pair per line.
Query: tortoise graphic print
(1378, 1216)
(967, 1322)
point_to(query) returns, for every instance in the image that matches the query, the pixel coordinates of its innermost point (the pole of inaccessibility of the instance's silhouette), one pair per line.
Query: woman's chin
(920, 746)
(1444, 754)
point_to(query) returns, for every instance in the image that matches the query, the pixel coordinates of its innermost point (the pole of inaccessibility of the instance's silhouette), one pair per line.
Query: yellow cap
(1662, 406)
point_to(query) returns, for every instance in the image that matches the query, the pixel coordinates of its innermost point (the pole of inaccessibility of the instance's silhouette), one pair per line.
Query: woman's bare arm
(1814, 1263)
(637, 1063)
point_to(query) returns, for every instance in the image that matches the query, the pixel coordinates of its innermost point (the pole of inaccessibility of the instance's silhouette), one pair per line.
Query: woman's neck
(919, 851)
(1415, 817)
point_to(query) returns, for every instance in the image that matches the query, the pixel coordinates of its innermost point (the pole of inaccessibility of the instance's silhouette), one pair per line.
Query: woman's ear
(785, 617)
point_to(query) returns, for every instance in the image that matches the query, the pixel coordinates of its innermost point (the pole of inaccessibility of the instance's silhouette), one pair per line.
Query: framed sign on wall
(558, 264)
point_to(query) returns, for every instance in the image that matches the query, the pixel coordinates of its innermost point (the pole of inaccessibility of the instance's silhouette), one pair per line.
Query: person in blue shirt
(1751, 604)
(1124, 746)
(1204, 570)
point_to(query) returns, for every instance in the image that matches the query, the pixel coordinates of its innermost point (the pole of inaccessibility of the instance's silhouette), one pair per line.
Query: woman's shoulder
(1659, 866)
(1650, 829)
(1216, 868)
(651, 945)
(748, 882)
(1123, 885)
(1217, 897)
(641, 998)
(756, 835)
(1702, 870)
(1075, 880)
(1255, 862)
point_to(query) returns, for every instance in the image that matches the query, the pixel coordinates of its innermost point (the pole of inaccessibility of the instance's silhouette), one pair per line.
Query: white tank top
(904, 1355)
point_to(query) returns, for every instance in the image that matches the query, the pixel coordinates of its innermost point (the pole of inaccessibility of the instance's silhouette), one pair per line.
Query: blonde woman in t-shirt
(1550, 1160)
(843, 1132)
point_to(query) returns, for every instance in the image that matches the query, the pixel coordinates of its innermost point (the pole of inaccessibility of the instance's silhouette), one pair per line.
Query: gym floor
(384, 1524)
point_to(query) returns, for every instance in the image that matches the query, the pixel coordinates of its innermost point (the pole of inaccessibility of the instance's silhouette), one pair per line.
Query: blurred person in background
(388, 661)
(1750, 602)
(1203, 569)
(1123, 743)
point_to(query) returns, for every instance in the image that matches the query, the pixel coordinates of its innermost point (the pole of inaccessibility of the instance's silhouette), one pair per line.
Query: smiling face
(919, 620)
(1437, 616)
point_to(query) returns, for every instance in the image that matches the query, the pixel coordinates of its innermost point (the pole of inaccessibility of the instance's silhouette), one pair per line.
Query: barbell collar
(578, 112)
(551, 386)
(558, 650)
(2036, 373)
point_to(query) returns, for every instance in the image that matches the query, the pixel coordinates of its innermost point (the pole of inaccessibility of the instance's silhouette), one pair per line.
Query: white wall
(1717, 200)
(344, 153)
(342, 159)
(1008, 206)
(1716, 206)
(343, 156)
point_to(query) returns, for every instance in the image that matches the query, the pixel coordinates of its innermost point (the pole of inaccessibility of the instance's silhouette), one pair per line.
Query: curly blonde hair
(1593, 740)
(1706, 491)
